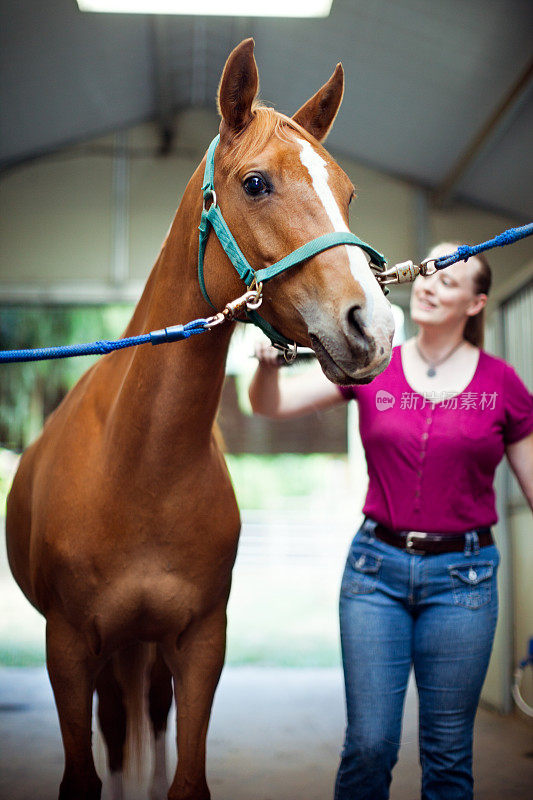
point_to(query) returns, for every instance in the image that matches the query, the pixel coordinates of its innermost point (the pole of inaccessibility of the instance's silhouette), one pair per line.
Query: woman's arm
(520, 455)
(288, 397)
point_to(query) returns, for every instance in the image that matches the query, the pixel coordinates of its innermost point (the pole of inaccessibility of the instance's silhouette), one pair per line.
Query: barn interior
(104, 118)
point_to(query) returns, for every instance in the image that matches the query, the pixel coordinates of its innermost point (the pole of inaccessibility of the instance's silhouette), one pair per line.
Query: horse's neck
(168, 395)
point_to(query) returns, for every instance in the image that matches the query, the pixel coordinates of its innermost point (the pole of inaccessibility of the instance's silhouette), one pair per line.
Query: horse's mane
(266, 123)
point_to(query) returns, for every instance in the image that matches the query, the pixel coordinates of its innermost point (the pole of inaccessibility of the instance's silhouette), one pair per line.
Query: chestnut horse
(122, 523)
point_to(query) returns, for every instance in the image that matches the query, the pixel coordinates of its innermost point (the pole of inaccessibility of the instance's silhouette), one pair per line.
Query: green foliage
(30, 391)
(18, 655)
(8, 466)
(277, 481)
(285, 617)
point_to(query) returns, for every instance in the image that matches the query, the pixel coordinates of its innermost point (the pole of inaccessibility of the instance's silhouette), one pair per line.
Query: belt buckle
(410, 542)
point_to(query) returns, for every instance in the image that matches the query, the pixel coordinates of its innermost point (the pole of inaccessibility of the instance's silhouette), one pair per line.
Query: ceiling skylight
(219, 8)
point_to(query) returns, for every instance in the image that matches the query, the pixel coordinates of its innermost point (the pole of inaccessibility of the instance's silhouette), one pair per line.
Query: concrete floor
(275, 735)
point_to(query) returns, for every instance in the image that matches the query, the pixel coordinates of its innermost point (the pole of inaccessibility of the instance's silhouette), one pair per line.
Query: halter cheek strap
(212, 218)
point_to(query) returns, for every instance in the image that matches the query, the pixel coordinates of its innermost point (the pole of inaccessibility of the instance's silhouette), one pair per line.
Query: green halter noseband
(212, 218)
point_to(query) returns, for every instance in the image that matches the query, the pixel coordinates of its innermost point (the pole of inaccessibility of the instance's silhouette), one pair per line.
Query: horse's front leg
(72, 672)
(196, 662)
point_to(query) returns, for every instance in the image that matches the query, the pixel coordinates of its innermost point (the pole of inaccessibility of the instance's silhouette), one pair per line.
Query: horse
(122, 524)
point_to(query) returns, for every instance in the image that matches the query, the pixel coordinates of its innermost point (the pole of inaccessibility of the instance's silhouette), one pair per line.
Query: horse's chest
(149, 604)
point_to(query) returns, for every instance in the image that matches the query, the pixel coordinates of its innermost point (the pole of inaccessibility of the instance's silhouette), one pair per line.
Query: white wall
(59, 216)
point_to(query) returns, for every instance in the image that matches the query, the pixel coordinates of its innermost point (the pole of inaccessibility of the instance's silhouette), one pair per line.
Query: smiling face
(448, 298)
(278, 189)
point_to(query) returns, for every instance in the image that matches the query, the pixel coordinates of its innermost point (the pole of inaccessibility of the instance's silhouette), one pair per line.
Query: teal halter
(212, 218)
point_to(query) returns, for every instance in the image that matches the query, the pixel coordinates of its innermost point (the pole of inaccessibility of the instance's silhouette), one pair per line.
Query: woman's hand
(292, 396)
(268, 356)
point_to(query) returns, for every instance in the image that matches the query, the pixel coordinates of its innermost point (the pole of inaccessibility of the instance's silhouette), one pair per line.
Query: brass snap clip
(250, 300)
(406, 272)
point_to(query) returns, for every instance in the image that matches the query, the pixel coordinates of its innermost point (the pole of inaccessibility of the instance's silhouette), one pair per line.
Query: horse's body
(122, 524)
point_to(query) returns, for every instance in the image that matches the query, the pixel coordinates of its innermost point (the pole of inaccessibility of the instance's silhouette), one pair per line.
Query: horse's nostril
(360, 341)
(355, 321)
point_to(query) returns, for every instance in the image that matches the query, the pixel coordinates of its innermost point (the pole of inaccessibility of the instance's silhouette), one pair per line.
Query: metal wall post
(120, 210)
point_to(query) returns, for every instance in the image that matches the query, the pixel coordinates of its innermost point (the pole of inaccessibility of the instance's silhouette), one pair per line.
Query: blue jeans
(438, 613)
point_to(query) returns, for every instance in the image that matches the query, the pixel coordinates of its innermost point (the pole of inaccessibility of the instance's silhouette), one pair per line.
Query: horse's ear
(318, 114)
(238, 88)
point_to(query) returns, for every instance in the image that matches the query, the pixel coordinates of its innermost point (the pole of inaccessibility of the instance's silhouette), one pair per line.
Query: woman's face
(448, 297)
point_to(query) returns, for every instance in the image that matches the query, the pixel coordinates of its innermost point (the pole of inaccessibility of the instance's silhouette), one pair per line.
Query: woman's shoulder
(491, 361)
(497, 375)
(496, 367)
(517, 399)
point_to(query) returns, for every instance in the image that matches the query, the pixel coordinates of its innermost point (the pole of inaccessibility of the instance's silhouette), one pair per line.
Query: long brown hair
(474, 330)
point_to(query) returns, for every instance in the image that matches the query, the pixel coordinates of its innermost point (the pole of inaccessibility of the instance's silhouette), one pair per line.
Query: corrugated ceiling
(421, 80)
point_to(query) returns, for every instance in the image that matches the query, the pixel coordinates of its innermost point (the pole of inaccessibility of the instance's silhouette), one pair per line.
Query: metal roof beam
(163, 80)
(493, 127)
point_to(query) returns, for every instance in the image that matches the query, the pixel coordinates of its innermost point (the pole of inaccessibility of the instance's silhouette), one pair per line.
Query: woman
(419, 586)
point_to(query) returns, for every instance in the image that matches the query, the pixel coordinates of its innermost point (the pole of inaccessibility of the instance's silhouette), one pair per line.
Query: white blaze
(317, 168)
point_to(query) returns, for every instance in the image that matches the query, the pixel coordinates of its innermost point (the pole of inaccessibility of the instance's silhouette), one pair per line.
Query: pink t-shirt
(431, 463)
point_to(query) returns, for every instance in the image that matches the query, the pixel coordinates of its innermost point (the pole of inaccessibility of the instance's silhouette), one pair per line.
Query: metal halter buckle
(289, 352)
(377, 272)
(256, 295)
(209, 195)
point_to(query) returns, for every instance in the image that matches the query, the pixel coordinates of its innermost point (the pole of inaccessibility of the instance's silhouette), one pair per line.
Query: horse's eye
(254, 185)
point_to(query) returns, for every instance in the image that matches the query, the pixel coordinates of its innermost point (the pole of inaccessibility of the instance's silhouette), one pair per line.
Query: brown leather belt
(422, 543)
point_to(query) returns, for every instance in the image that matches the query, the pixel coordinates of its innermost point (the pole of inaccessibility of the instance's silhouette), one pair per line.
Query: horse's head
(278, 189)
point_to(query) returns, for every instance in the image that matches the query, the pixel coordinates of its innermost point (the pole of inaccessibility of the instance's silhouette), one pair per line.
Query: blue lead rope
(175, 333)
(465, 252)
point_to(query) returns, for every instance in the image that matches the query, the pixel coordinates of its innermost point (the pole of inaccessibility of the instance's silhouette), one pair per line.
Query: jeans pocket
(472, 583)
(362, 572)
